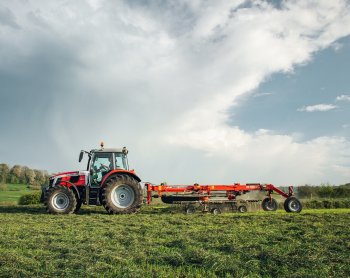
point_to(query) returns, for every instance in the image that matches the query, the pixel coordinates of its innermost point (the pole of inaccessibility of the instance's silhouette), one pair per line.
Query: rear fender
(125, 172)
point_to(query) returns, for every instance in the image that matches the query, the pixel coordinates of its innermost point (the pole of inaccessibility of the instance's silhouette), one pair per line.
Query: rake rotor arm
(271, 187)
(231, 190)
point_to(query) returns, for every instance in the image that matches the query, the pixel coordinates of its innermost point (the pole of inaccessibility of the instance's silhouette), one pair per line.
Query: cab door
(101, 164)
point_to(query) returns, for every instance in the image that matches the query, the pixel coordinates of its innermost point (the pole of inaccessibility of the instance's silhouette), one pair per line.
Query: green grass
(10, 193)
(162, 242)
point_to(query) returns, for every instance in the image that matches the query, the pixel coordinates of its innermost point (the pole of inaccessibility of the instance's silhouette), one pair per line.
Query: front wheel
(292, 204)
(60, 200)
(122, 194)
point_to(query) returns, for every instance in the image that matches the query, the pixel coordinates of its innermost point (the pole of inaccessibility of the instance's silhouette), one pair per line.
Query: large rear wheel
(60, 200)
(122, 194)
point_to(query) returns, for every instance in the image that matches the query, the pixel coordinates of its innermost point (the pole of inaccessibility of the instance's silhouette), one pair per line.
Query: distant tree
(29, 175)
(326, 191)
(4, 172)
(23, 174)
(46, 177)
(307, 191)
(342, 191)
(41, 177)
(15, 175)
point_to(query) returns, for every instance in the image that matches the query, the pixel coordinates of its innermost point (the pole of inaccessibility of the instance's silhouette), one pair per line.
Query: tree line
(323, 191)
(23, 175)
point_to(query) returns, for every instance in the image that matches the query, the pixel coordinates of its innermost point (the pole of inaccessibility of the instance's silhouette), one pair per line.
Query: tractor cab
(103, 161)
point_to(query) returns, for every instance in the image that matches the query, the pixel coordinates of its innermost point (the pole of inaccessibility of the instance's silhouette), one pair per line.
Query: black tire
(242, 209)
(292, 204)
(190, 210)
(215, 211)
(269, 205)
(60, 200)
(234, 208)
(79, 201)
(78, 206)
(122, 194)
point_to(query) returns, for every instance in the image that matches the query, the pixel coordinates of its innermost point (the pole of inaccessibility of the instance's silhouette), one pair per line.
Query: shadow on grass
(88, 210)
(22, 209)
(40, 209)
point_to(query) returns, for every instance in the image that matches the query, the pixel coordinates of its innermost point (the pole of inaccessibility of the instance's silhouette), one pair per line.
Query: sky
(199, 91)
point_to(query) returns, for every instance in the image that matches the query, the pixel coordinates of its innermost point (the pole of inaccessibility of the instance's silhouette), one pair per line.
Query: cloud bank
(160, 77)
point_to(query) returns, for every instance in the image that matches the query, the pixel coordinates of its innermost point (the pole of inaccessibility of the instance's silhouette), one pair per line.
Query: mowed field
(164, 242)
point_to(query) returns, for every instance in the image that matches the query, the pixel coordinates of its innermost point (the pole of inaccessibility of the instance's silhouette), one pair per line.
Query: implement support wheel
(190, 210)
(242, 209)
(215, 211)
(269, 205)
(292, 204)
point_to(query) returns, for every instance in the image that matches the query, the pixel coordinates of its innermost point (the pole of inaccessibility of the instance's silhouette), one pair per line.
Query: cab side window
(102, 163)
(120, 161)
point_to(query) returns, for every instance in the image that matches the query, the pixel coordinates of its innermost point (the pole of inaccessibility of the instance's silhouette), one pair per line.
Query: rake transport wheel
(292, 204)
(122, 194)
(242, 209)
(190, 210)
(269, 205)
(60, 200)
(215, 211)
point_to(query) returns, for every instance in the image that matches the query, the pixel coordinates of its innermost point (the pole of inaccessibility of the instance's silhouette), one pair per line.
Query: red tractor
(107, 181)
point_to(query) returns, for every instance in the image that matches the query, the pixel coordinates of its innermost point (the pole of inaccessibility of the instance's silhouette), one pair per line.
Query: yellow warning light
(102, 144)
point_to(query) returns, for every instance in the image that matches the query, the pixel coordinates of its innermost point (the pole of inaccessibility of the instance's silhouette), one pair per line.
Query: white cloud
(263, 94)
(160, 78)
(343, 98)
(317, 108)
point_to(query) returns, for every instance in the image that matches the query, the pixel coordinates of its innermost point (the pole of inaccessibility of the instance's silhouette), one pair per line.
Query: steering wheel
(105, 166)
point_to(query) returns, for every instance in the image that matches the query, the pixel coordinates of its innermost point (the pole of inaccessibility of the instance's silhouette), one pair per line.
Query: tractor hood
(73, 177)
(72, 173)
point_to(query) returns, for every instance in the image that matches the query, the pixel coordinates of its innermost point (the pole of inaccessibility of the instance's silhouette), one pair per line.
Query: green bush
(30, 198)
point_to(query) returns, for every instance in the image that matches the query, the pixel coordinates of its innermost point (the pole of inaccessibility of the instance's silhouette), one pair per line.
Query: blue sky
(274, 104)
(199, 91)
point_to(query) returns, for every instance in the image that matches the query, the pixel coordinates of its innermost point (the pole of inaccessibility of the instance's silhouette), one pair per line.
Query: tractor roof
(108, 150)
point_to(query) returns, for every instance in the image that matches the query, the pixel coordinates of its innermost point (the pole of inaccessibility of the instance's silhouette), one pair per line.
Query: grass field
(162, 242)
(10, 193)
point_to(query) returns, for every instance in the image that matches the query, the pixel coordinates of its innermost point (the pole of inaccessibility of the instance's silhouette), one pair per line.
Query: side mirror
(81, 156)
